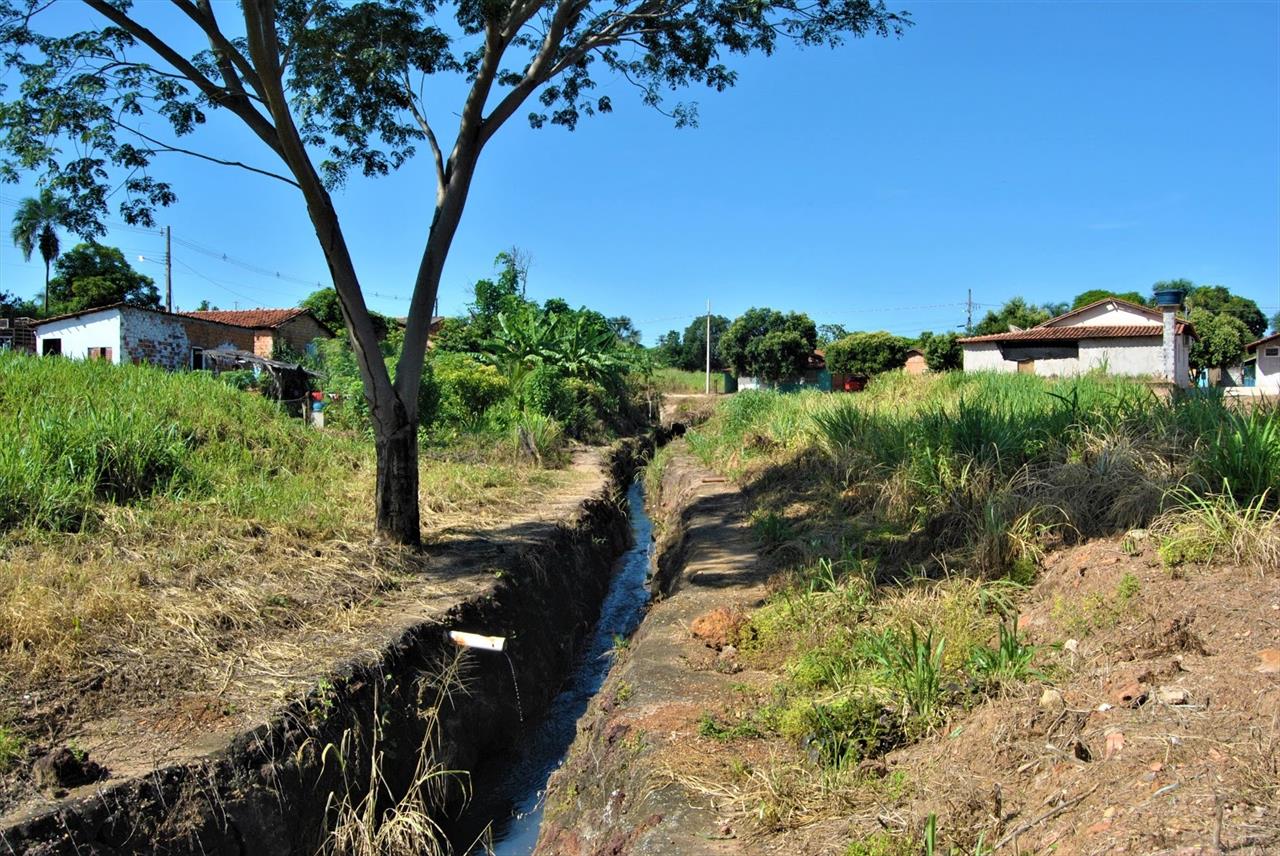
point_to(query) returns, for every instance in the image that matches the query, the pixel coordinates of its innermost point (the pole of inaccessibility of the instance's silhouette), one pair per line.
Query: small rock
(1270, 661)
(1052, 700)
(63, 768)
(1128, 694)
(1115, 742)
(1104, 707)
(1071, 645)
(1172, 695)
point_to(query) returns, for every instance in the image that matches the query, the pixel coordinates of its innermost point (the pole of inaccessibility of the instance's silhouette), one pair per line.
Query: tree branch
(535, 75)
(230, 61)
(167, 147)
(217, 94)
(420, 117)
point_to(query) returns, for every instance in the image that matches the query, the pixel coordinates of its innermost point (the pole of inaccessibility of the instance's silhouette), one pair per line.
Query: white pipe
(474, 640)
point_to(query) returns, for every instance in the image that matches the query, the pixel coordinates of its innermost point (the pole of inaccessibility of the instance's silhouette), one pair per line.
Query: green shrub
(239, 379)
(544, 390)
(466, 389)
(540, 437)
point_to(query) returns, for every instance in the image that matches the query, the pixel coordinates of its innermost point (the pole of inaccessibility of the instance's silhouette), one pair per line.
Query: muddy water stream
(517, 805)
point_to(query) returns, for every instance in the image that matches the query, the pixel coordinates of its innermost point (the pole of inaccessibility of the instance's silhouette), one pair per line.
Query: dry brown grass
(185, 596)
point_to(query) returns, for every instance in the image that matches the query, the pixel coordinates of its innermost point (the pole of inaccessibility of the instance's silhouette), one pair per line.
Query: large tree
(941, 351)
(1093, 295)
(867, 354)
(1222, 340)
(688, 351)
(769, 344)
(1218, 300)
(1016, 313)
(329, 87)
(93, 274)
(35, 226)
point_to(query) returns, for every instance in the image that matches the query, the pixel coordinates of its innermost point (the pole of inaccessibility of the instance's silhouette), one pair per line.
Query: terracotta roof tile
(257, 318)
(1077, 332)
(1274, 336)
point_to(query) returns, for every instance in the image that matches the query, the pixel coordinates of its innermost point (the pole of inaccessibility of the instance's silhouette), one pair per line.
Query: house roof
(1076, 332)
(256, 318)
(1128, 304)
(1274, 337)
(109, 306)
(251, 319)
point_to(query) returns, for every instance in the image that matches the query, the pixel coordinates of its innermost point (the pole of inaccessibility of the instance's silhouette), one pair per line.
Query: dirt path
(616, 792)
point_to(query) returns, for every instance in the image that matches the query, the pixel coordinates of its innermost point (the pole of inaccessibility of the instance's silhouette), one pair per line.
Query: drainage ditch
(510, 788)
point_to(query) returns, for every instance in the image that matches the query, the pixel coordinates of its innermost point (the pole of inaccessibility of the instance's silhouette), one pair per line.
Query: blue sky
(1035, 149)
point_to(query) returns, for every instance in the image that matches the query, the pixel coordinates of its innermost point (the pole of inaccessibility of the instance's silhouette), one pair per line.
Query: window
(51, 347)
(1272, 352)
(100, 354)
(1018, 353)
(197, 359)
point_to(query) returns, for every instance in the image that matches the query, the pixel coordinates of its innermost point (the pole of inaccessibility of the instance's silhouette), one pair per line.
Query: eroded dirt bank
(280, 787)
(613, 794)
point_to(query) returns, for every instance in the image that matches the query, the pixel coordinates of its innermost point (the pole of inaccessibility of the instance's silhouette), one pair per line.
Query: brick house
(131, 334)
(296, 328)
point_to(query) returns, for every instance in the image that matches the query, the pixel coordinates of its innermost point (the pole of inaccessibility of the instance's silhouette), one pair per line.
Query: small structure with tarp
(290, 383)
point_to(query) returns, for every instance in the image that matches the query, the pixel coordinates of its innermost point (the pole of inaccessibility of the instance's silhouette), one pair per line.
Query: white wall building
(130, 334)
(1264, 354)
(1112, 335)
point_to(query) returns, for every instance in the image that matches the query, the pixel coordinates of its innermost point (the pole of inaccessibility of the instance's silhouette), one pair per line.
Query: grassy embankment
(679, 381)
(907, 523)
(166, 530)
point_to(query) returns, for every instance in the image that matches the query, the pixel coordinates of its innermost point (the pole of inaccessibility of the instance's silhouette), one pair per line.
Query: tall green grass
(996, 465)
(74, 435)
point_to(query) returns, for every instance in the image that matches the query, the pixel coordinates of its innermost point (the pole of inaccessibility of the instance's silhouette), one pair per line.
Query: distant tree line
(772, 345)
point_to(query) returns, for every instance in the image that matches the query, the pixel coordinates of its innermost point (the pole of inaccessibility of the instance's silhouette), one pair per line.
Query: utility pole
(708, 347)
(168, 269)
(968, 324)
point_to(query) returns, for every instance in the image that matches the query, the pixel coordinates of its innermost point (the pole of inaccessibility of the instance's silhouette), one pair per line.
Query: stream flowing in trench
(524, 786)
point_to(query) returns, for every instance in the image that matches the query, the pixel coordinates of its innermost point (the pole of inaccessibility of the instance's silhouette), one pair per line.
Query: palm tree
(35, 224)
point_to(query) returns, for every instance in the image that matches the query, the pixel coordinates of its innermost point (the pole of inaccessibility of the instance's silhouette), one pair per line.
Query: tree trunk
(396, 491)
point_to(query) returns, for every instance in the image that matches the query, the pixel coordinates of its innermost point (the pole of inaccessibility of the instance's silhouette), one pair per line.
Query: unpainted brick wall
(301, 331)
(150, 337)
(210, 335)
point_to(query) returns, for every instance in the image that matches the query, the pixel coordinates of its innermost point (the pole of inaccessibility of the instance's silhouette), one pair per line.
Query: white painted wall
(1267, 376)
(1131, 357)
(79, 334)
(1109, 314)
(985, 357)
